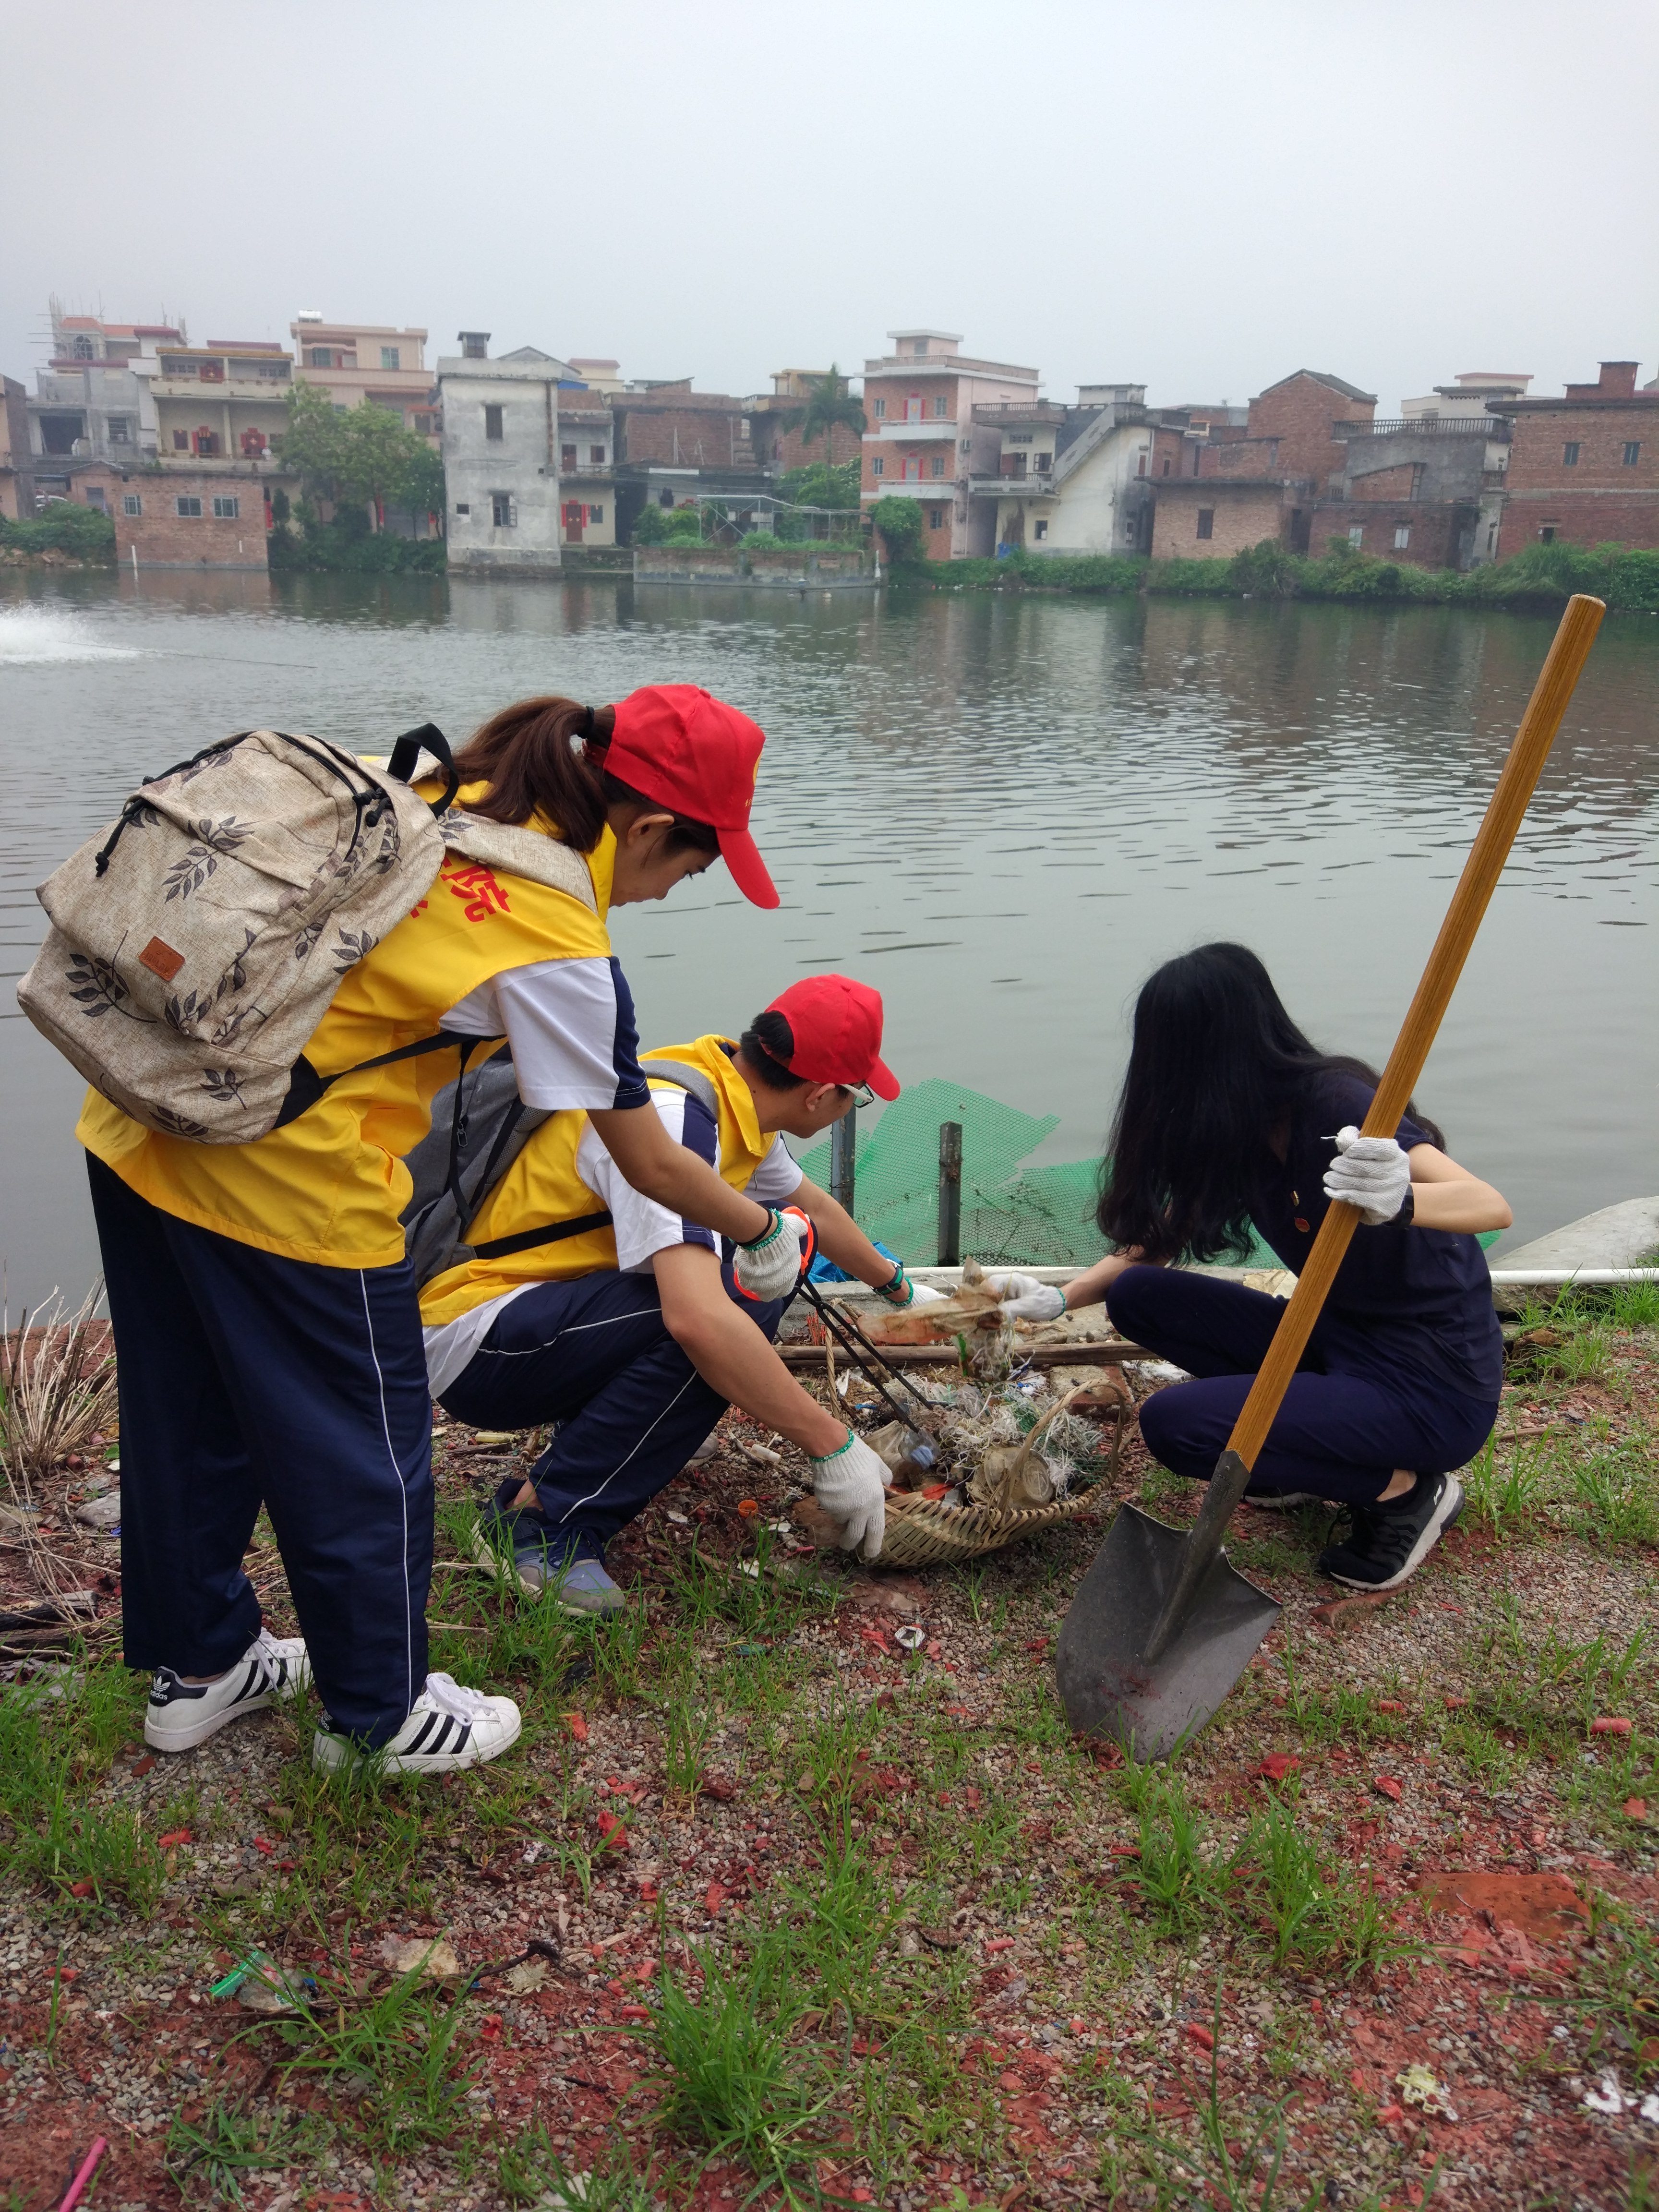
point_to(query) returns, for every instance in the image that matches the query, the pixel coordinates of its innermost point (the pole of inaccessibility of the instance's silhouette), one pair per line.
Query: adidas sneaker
(183, 1713)
(450, 1727)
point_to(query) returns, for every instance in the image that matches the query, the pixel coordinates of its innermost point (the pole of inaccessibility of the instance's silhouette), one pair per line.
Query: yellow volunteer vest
(330, 1187)
(542, 1186)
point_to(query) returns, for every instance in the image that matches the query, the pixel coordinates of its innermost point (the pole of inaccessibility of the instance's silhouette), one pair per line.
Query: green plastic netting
(1030, 1217)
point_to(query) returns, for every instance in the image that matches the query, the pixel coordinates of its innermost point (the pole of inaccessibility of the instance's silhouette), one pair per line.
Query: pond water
(1001, 812)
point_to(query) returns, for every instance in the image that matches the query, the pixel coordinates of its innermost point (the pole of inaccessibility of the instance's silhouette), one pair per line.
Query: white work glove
(1371, 1173)
(770, 1267)
(1022, 1298)
(851, 1485)
(902, 1291)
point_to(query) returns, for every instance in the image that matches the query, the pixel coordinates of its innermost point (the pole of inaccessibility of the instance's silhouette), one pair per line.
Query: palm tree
(831, 406)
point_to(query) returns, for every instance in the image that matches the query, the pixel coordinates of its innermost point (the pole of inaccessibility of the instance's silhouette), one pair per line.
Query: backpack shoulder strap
(694, 1079)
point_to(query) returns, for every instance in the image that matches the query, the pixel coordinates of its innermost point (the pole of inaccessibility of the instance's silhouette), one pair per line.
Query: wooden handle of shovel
(1559, 674)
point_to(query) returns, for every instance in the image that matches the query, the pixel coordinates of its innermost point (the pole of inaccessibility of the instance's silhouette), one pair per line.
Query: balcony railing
(1444, 426)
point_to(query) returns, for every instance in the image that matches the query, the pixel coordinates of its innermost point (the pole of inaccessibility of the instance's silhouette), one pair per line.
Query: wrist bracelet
(1407, 1213)
(893, 1280)
(773, 1218)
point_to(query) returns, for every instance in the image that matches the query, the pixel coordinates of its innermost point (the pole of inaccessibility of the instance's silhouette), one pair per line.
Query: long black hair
(1215, 1063)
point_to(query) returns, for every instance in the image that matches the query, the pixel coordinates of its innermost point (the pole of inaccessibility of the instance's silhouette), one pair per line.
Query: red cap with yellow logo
(680, 745)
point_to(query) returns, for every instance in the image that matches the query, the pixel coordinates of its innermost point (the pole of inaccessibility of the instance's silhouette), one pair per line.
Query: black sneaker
(1388, 1543)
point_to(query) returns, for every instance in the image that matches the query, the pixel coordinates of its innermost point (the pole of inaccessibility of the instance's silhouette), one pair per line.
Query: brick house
(927, 441)
(778, 444)
(1584, 468)
(1426, 490)
(674, 445)
(1240, 483)
(192, 518)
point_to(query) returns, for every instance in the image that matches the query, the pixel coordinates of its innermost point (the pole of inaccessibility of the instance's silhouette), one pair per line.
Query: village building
(675, 447)
(1071, 479)
(193, 515)
(1238, 485)
(1468, 396)
(224, 402)
(16, 478)
(1584, 468)
(924, 441)
(775, 426)
(501, 440)
(1426, 490)
(375, 364)
(91, 411)
(587, 469)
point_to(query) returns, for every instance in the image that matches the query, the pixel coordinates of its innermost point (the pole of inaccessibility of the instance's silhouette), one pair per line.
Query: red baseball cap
(836, 1026)
(680, 745)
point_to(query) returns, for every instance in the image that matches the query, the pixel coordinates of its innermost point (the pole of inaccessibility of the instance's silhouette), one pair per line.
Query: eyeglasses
(862, 1094)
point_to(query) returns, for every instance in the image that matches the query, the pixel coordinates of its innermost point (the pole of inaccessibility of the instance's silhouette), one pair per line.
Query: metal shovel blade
(1108, 1685)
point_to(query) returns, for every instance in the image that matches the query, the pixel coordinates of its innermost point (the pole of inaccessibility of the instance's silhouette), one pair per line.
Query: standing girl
(1230, 1120)
(266, 1318)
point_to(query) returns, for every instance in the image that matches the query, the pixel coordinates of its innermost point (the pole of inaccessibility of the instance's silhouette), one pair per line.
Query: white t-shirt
(642, 1228)
(570, 1024)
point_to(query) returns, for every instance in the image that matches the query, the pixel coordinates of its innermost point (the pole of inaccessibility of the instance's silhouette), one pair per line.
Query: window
(181, 441)
(1632, 451)
(321, 356)
(878, 466)
(1357, 535)
(566, 457)
(1141, 470)
(664, 499)
(1570, 454)
(940, 403)
(227, 507)
(389, 357)
(1166, 465)
(1206, 522)
(58, 433)
(187, 507)
(120, 429)
(1547, 532)
(1044, 462)
(921, 346)
(131, 503)
(1039, 531)
(503, 513)
(936, 518)
(966, 447)
(96, 498)
(881, 409)
(1402, 536)
(596, 514)
(84, 349)
(462, 508)
(936, 465)
(493, 424)
(596, 457)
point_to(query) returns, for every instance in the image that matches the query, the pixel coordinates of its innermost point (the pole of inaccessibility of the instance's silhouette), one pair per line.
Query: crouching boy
(590, 1306)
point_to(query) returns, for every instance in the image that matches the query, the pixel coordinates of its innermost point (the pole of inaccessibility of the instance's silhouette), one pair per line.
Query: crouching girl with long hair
(1231, 1121)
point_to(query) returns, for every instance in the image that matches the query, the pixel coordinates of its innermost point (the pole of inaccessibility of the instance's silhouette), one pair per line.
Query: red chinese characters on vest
(479, 887)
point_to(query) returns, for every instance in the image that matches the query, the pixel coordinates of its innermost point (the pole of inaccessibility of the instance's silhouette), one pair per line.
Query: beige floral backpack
(194, 949)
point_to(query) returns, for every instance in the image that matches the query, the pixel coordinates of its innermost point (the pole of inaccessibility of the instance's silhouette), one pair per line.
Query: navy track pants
(593, 1354)
(249, 1379)
(1349, 1419)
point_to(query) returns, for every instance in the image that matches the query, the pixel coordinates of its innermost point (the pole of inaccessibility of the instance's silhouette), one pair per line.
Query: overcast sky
(1200, 196)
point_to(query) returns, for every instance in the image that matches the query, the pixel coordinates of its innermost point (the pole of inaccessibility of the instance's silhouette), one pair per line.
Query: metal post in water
(843, 1149)
(950, 1193)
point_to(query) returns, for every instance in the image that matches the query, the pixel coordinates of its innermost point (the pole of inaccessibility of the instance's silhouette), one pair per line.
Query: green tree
(831, 407)
(314, 444)
(822, 484)
(899, 521)
(358, 455)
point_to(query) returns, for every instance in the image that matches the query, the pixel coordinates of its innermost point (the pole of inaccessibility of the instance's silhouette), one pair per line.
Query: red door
(572, 522)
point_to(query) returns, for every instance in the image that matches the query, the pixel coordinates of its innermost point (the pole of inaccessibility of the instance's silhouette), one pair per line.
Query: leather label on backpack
(160, 959)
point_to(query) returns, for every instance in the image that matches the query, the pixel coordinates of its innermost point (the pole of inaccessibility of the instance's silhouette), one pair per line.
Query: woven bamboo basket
(922, 1533)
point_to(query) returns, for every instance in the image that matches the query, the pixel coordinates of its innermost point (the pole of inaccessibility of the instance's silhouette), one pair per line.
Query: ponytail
(543, 755)
(547, 756)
